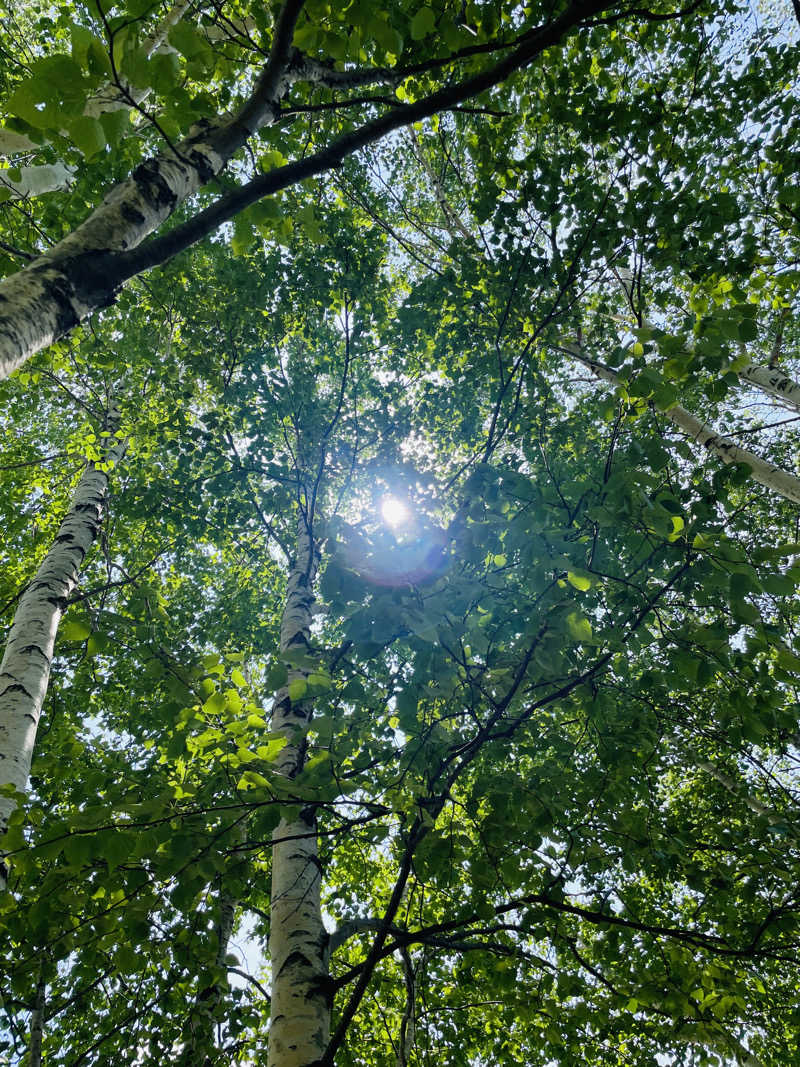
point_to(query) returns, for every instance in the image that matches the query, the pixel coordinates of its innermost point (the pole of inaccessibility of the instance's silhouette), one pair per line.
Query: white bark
(109, 98)
(766, 474)
(55, 292)
(106, 99)
(52, 294)
(35, 181)
(82, 272)
(774, 382)
(453, 223)
(768, 379)
(12, 143)
(25, 667)
(298, 940)
(37, 1023)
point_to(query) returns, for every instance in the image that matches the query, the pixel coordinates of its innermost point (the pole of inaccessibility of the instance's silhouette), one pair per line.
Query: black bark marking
(16, 687)
(153, 187)
(298, 639)
(34, 648)
(95, 277)
(204, 169)
(59, 289)
(295, 959)
(131, 214)
(323, 986)
(308, 815)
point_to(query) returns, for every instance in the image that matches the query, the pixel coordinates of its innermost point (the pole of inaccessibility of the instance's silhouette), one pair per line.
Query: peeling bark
(766, 474)
(25, 668)
(35, 181)
(298, 940)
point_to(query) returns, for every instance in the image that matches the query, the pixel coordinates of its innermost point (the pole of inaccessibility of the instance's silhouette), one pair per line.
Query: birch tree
(82, 272)
(427, 701)
(25, 667)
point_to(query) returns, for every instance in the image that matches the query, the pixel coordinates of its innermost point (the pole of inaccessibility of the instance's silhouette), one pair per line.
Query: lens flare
(394, 511)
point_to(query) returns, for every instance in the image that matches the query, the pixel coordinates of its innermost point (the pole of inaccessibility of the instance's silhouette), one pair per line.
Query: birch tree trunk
(55, 292)
(298, 942)
(37, 1022)
(766, 474)
(82, 273)
(25, 667)
(774, 382)
(767, 379)
(203, 1013)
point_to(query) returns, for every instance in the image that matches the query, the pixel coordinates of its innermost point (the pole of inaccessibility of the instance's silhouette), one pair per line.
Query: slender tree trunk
(775, 382)
(298, 941)
(768, 379)
(47, 298)
(25, 668)
(202, 1017)
(51, 295)
(406, 1037)
(768, 475)
(37, 1022)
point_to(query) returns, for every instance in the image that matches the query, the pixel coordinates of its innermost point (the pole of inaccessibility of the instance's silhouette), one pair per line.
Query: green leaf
(423, 23)
(78, 849)
(678, 525)
(251, 779)
(98, 59)
(88, 135)
(276, 676)
(298, 688)
(27, 102)
(74, 629)
(580, 579)
(187, 40)
(579, 627)
(269, 751)
(319, 681)
(97, 644)
(747, 330)
(165, 72)
(215, 704)
(116, 124)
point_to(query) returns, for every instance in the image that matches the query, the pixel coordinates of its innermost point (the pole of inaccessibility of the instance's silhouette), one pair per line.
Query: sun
(394, 511)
